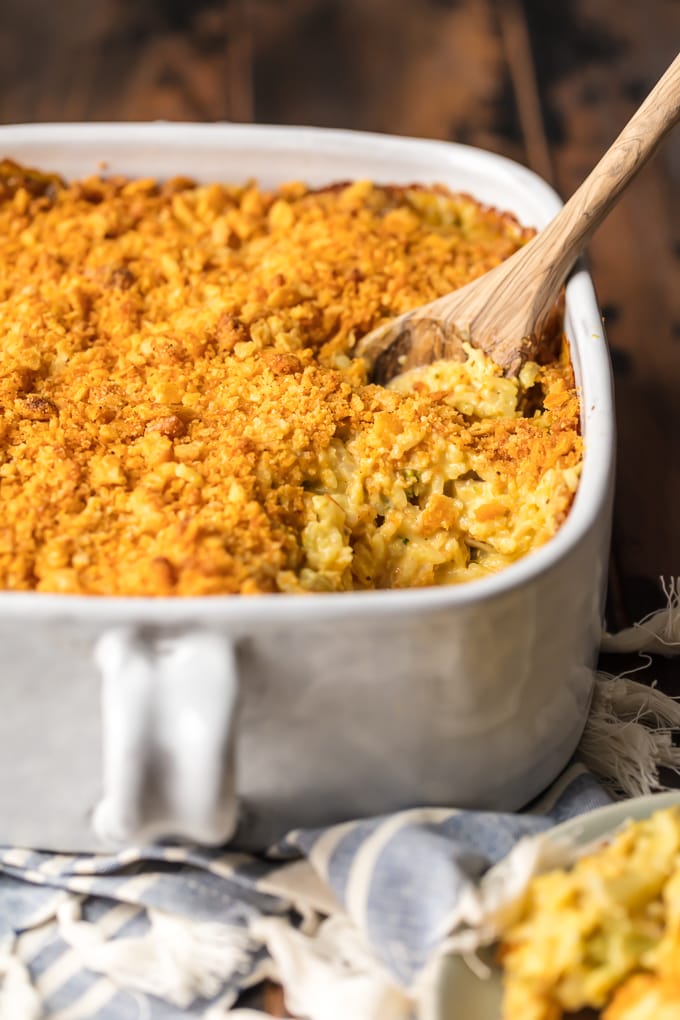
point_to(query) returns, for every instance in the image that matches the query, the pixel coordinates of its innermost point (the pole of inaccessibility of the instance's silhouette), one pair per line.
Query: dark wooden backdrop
(546, 83)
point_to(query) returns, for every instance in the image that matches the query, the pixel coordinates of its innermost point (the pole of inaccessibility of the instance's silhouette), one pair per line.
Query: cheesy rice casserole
(604, 935)
(181, 413)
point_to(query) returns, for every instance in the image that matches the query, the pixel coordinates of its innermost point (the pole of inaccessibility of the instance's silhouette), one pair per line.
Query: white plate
(460, 994)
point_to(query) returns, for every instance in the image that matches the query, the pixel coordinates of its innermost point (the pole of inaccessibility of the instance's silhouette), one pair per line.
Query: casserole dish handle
(167, 702)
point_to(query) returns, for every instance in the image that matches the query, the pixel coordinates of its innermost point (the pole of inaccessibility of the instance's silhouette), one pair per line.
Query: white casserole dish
(284, 711)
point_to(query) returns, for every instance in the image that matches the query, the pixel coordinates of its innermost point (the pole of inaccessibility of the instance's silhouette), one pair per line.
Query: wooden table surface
(548, 84)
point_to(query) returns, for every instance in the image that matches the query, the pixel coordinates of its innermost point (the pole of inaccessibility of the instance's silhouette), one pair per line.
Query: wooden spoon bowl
(506, 312)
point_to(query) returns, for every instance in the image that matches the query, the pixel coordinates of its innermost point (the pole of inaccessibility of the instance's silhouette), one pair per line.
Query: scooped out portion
(180, 412)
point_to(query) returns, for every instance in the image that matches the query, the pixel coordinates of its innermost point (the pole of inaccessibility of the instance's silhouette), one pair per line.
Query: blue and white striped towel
(347, 918)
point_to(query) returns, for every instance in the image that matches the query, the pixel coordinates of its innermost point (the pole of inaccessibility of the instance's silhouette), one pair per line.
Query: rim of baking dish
(584, 327)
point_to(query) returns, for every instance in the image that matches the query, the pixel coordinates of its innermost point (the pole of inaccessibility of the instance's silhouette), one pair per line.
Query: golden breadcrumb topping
(180, 412)
(604, 935)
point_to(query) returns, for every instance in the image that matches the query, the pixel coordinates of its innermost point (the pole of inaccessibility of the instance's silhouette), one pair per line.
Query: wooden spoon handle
(560, 243)
(506, 311)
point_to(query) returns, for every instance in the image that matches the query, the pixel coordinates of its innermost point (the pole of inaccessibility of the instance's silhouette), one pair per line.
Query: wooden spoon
(506, 311)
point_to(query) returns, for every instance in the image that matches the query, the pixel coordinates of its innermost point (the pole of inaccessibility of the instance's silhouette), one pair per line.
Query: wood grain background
(548, 84)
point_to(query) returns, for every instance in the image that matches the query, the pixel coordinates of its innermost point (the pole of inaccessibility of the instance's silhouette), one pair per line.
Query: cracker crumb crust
(180, 413)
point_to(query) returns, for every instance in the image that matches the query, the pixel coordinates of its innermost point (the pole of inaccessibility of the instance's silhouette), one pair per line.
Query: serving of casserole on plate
(182, 416)
(598, 939)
